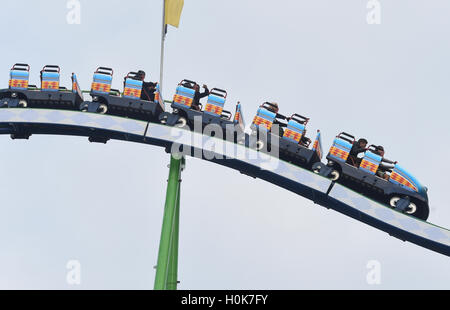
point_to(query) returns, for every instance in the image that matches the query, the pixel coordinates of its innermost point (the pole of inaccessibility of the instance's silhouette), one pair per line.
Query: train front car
(293, 145)
(213, 120)
(51, 95)
(106, 100)
(416, 205)
(392, 186)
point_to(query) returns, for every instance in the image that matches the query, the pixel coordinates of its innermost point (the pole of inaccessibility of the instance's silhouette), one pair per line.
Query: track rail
(250, 162)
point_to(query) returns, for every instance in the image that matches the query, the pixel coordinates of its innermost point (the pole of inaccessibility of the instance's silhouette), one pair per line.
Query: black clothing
(384, 160)
(280, 124)
(198, 96)
(356, 149)
(280, 116)
(305, 141)
(353, 155)
(148, 91)
(385, 166)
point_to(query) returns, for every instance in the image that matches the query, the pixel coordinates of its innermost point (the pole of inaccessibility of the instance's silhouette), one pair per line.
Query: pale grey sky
(64, 198)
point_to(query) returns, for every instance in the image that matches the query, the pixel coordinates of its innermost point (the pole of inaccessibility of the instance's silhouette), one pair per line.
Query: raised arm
(205, 93)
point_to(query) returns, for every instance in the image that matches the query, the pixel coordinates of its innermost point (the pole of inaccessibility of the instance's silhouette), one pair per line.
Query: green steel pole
(172, 281)
(164, 255)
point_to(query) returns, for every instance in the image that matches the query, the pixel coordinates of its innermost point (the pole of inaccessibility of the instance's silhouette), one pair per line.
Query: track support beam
(166, 277)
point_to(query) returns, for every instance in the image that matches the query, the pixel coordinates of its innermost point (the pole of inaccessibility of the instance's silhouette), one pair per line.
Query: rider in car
(357, 148)
(148, 88)
(273, 107)
(385, 166)
(305, 141)
(198, 95)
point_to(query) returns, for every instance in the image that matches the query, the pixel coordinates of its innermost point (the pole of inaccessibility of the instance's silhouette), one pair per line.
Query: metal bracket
(93, 106)
(324, 170)
(9, 102)
(403, 204)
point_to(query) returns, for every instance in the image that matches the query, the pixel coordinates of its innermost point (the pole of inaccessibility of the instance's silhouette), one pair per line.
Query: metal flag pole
(166, 277)
(163, 37)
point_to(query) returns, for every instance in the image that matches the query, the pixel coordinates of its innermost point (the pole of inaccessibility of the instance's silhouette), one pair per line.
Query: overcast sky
(63, 198)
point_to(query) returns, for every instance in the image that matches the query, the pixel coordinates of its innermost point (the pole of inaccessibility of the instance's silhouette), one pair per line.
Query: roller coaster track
(320, 190)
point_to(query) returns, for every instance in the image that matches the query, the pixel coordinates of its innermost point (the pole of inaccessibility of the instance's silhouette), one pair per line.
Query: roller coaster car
(106, 100)
(401, 191)
(293, 144)
(50, 95)
(213, 114)
(262, 127)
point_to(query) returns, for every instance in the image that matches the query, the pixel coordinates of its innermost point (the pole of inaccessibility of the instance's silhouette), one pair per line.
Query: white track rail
(250, 162)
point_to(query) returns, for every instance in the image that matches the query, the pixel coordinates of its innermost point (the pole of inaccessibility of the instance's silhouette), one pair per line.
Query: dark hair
(140, 75)
(362, 140)
(380, 148)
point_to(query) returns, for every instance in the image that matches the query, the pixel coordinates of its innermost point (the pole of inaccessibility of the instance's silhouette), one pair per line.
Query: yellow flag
(173, 12)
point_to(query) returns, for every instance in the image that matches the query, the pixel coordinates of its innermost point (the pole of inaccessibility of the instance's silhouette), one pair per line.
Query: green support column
(168, 245)
(172, 281)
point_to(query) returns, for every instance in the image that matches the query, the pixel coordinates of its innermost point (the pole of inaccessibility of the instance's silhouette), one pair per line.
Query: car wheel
(393, 201)
(23, 103)
(259, 145)
(334, 175)
(102, 109)
(182, 121)
(412, 208)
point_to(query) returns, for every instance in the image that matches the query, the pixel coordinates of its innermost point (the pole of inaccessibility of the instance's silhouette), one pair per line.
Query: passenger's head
(273, 107)
(140, 75)
(196, 87)
(362, 142)
(380, 150)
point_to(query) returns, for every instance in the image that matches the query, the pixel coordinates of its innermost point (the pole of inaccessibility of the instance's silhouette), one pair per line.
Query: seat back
(341, 147)
(158, 97)
(216, 102)
(76, 89)
(238, 117)
(294, 131)
(50, 75)
(132, 88)
(184, 95)
(340, 150)
(370, 162)
(317, 146)
(102, 81)
(19, 77)
(263, 120)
